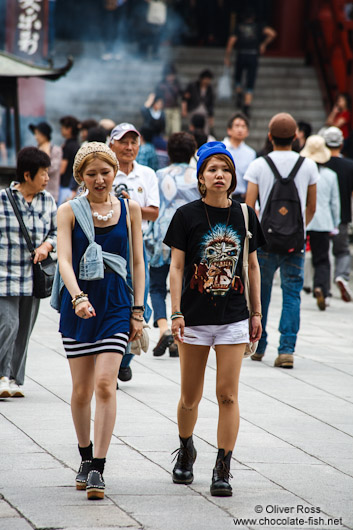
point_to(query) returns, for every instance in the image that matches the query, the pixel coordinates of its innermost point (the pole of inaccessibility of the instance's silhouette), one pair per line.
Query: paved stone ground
(293, 460)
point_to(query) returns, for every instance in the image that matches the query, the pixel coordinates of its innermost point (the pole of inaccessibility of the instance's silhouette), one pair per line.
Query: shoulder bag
(142, 343)
(43, 271)
(251, 347)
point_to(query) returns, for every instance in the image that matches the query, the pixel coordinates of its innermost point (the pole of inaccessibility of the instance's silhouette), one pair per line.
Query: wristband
(256, 314)
(138, 308)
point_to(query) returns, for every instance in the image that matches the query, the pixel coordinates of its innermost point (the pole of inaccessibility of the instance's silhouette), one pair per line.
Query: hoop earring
(81, 189)
(202, 189)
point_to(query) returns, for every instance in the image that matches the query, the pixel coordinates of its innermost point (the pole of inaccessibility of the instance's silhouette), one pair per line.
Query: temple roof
(13, 66)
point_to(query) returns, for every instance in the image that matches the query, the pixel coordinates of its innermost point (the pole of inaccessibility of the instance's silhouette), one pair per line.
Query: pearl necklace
(105, 217)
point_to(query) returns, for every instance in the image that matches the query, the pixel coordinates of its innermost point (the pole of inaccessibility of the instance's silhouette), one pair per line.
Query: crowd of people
(185, 221)
(139, 204)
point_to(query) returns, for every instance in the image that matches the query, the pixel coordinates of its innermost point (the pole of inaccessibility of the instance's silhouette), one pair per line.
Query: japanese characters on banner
(28, 28)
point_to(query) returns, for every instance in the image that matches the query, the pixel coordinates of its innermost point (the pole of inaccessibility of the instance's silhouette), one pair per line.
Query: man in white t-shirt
(282, 133)
(243, 154)
(139, 183)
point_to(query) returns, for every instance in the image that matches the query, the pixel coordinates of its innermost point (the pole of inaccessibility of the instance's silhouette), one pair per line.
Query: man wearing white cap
(344, 168)
(141, 185)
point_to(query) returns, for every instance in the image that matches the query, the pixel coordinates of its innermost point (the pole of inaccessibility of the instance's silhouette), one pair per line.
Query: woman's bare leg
(193, 361)
(82, 373)
(106, 373)
(229, 360)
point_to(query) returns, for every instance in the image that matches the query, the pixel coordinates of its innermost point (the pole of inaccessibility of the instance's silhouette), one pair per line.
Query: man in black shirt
(251, 39)
(69, 131)
(344, 169)
(198, 98)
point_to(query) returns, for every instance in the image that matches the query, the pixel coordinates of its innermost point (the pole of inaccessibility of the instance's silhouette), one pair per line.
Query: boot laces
(182, 455)
(223, 470)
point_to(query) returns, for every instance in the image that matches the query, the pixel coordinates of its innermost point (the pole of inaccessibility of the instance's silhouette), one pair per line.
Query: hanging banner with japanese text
(27, 29)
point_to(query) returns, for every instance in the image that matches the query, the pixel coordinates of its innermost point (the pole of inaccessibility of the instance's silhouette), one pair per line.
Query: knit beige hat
(87, 149)
(316, 149)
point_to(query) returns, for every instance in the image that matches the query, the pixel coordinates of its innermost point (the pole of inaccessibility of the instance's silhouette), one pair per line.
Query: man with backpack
(285, 184)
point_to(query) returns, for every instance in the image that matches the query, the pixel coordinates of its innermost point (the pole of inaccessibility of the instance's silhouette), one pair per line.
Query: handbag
(142, 343)
(251, 347)
(157, 13)
(43, 271)
(224, 88)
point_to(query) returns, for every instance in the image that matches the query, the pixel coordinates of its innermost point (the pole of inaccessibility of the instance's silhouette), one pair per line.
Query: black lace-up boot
(81, 477)
(220, 486)
(186, 456)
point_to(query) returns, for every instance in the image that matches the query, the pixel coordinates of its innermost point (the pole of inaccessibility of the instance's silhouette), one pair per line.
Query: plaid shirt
(39, 217)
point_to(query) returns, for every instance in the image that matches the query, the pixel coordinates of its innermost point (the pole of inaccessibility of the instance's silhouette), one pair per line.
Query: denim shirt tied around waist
(92, 262)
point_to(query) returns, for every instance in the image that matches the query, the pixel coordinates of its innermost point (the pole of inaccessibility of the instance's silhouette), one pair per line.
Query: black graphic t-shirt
(213, 290)
(249, 35)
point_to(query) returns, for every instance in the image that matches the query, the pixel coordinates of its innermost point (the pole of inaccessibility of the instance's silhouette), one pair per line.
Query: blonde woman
(97, 317)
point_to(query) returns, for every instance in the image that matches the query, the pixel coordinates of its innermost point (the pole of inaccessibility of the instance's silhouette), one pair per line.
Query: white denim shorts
(235, 333)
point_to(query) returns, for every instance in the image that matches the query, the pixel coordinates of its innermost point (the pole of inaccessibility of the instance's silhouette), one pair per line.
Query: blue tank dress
(109, 297)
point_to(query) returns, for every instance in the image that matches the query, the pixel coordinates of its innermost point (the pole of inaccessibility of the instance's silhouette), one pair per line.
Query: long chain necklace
(208, 218)
(106, 217)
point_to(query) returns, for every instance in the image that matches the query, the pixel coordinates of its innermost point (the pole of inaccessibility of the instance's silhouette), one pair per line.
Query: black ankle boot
(220, 486)
(186, 456)
(95, 483)
(81, 477)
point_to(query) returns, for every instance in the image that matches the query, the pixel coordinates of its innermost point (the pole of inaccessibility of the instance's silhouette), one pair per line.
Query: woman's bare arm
(176, 273)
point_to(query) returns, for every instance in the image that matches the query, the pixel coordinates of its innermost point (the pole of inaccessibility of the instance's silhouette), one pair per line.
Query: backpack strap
(291, 175)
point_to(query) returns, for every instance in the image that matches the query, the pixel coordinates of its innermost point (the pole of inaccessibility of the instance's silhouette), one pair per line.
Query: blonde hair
(105, 157)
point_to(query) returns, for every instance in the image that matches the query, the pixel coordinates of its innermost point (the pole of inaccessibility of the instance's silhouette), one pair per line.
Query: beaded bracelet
(78, 297)
(80, 300)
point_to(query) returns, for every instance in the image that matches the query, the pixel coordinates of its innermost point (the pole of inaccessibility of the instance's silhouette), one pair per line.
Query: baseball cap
(210, 149)
(333, 137)
(121, 129)
(282, 125)
(43, 127)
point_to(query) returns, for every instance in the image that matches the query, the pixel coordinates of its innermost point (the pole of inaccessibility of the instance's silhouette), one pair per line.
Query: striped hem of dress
(116, 343)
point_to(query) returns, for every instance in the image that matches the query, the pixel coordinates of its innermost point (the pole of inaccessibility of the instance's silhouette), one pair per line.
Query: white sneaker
(343, 286)
(15, 389)
(5, 391)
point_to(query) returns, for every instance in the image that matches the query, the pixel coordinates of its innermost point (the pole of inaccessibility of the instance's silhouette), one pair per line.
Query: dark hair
(30, 159)
(181, 147)
(169, 69)
(206, 74)
(97, 134)
(71, 121)
(200, 137)
(88, 124)
(238, 116)
(283, 142)
(248, 13)
(227, 160)
(147, 134)
(347, 97)
(198, 121)
(306, 128)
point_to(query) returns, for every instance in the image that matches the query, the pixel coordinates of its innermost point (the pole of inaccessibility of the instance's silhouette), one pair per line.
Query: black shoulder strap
(291, 175)
(296, 168)
(20, 220)
(272, 167)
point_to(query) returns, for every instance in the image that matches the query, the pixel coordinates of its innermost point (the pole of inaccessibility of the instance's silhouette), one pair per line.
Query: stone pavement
(292, 466)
